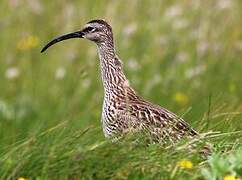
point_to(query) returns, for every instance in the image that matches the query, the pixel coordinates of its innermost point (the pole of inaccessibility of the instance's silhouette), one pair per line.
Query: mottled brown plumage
(123, 110)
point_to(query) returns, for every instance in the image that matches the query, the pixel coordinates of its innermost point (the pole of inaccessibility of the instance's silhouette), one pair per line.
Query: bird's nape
(77, 34)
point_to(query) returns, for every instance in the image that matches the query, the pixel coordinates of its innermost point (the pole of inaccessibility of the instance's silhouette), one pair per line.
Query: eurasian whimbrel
(123, 110)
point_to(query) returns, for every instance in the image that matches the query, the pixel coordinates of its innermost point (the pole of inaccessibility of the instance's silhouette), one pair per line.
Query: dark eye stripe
(89, 29)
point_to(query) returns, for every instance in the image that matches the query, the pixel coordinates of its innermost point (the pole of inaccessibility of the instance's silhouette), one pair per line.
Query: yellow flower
(180, 98)
(22, 178)
(230, 177)
(185, 164)
(27, 43)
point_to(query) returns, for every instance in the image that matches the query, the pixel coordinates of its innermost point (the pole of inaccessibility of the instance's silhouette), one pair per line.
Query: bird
(123, 110)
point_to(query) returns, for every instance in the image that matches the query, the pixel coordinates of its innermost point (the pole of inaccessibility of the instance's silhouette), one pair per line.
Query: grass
(183, 55)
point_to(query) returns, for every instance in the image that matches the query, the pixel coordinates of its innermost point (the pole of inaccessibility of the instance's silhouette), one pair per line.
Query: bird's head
(98, 31)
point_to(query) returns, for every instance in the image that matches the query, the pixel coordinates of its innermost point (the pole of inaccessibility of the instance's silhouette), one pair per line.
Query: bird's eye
(90, 29)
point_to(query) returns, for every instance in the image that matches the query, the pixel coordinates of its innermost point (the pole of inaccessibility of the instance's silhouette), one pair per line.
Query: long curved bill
(78, 34)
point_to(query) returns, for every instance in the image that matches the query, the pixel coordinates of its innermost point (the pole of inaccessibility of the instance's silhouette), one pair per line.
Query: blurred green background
(182, 54)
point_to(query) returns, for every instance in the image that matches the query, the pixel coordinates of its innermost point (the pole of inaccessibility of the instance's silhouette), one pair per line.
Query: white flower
(14, 3)
(202, 47)
(60, 73)
(182, 57)
(195, 71)
(133, 64)
(195, 4)
(70, 55)
(130, 29)
(238, 46)
(162, 40)
(224, 4)
(173, 11)
(12, 73)
(35, 6)
(180, 24)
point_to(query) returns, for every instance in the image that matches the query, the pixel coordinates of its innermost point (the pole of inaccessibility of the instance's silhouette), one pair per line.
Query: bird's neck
(111, 68)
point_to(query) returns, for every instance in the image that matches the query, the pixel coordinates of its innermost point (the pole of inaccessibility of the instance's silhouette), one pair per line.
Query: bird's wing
(159, 122)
